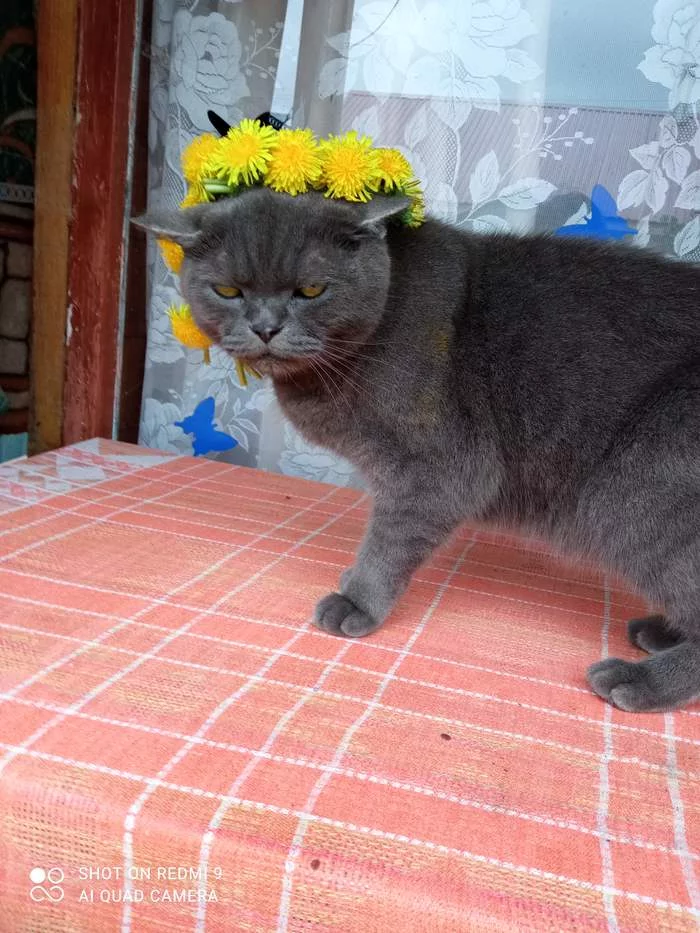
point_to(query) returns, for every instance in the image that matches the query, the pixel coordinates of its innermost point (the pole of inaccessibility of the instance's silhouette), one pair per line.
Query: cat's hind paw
(663, 681)
(620, 683)
(339, 616)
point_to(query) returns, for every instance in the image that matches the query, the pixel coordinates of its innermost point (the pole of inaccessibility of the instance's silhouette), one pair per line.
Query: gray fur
(543, 384)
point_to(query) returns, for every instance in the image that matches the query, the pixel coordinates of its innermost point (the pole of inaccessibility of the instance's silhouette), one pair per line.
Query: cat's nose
(265, 333)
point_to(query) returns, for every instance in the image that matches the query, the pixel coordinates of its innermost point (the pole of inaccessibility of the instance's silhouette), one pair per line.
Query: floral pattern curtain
(487, 100)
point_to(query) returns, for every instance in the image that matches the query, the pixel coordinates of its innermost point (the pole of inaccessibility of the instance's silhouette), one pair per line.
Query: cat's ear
(178, 226)
(380, 209)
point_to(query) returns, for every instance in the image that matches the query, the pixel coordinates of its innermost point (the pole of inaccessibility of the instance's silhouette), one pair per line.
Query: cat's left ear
(379, 210)
(178, 226)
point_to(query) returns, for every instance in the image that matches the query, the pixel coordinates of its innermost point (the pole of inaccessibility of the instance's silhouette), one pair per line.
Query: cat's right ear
(182, 227)
(377, 212)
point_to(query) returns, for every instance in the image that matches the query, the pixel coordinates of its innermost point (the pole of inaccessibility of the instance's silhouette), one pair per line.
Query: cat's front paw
(339, 616)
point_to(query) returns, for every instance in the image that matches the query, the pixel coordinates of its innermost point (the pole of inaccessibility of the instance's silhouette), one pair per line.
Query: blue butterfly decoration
(201, 424)
(604, 222)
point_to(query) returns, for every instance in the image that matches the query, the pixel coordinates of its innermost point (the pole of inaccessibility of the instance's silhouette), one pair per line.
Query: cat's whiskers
(330, 371)
(330, 363)
(366, 383)
(360, 343)
(318, 369)
(363, 386)
(341, 354)
(334, 396)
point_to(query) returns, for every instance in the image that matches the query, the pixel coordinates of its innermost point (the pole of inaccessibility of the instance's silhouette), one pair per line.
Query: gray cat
(545, 384)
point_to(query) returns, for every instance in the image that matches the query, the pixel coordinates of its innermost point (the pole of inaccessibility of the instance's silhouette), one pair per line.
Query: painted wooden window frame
(90, 127)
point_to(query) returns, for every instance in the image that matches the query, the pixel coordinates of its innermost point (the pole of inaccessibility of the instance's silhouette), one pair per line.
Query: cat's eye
(227, 291)
(310, 291)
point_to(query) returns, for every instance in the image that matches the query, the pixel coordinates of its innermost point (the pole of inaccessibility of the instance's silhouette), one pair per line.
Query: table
(181, 750)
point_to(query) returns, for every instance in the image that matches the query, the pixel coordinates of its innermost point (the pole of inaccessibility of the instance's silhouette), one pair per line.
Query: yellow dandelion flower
(196, 194)
(350, 166)
(411, 188)
(196, 156)
(186, 331)
(414, 215)
(243, 154)
(242, 370)
(295, 163)
(394, 169)
(173, 255)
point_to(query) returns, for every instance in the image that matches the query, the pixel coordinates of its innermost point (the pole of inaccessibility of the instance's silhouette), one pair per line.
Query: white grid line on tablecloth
(81, 503)
(229, 486)
(354, 774)
(160, 475)
(679, 828)
(177, 507)
(353, 827)
(460, 691)
(130, 820)
(489, 697)
(45, 466)
(45, 495)
(17, 552)
(344, 743)
(417, 578)
(333, 695)
(157, 601)
(142, 657)
(235, 643)
(215, 822)
(534, 547)
(91, 643)
(607, 867)
(431, 717)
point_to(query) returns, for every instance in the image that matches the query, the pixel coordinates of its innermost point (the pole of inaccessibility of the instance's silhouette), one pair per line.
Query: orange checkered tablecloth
(181, 750)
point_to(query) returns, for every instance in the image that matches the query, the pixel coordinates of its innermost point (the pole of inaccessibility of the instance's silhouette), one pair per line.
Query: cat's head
(281, 281)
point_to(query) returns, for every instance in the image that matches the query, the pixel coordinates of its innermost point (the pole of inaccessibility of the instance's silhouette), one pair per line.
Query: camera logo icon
(46, 885)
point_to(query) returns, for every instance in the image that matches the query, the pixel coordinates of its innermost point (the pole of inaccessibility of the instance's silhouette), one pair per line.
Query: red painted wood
(106, 37)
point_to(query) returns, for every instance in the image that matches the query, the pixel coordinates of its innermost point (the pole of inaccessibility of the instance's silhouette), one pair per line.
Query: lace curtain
(521, 115)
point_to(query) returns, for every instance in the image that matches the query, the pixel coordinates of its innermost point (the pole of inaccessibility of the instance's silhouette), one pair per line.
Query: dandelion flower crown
(262, 152)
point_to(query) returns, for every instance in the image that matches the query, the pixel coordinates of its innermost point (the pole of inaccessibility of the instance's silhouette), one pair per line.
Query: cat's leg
(642, 517)
(669, 678)
(652, 634)
(400, 536)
